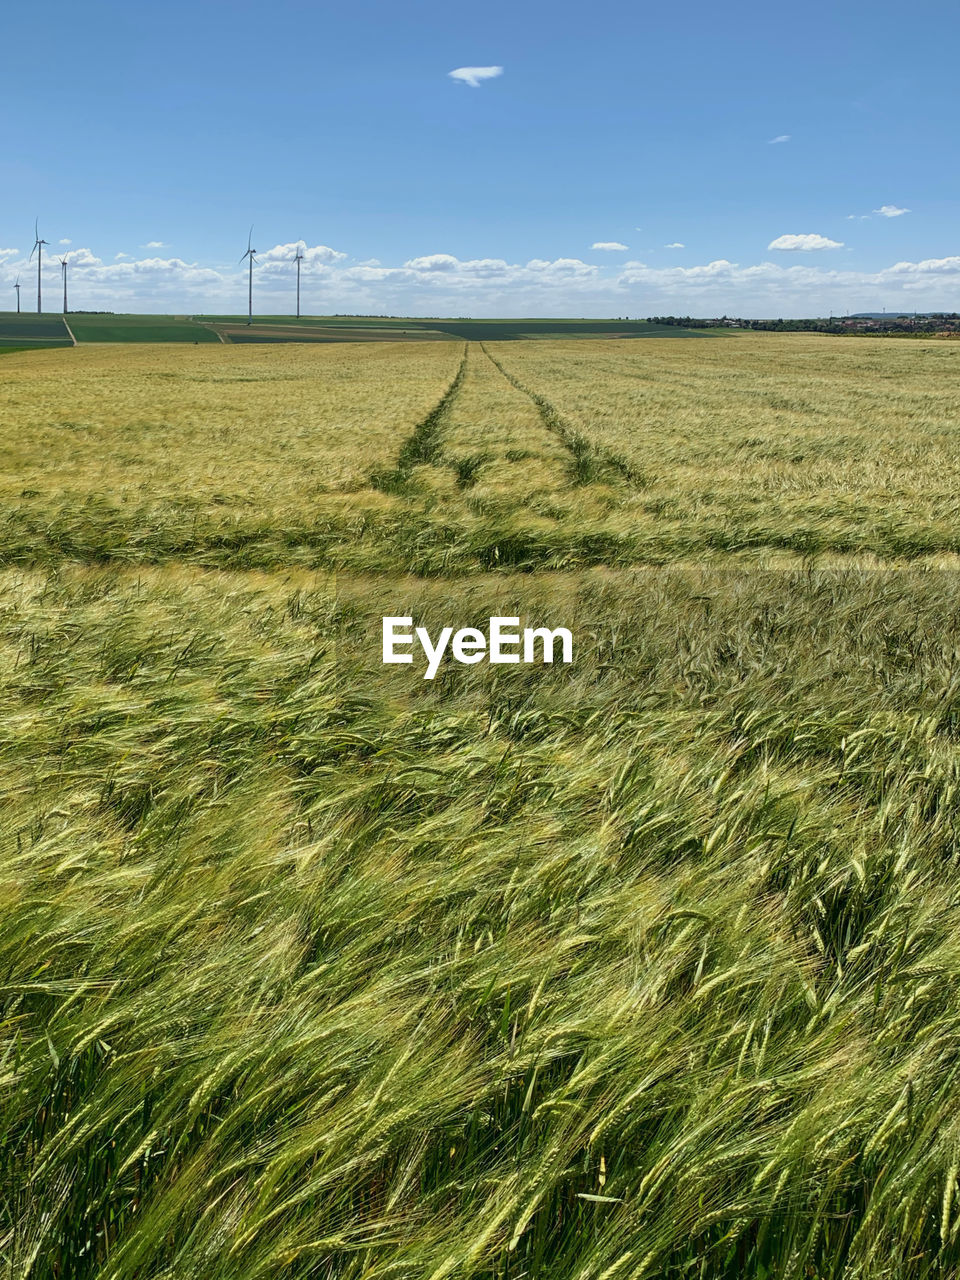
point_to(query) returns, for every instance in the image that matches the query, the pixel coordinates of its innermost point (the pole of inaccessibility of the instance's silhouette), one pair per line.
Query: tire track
(588, 460)
(425, 443)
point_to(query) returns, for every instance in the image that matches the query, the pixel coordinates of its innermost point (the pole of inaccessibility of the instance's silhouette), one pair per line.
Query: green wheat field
(642, 968)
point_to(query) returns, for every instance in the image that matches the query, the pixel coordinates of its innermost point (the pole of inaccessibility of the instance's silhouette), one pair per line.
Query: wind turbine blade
(250, 238)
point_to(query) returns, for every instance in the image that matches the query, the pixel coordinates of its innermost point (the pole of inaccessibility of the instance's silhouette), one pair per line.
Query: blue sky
(156, 134)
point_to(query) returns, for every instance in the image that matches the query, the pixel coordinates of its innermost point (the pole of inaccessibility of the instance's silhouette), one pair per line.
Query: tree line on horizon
(931, 322)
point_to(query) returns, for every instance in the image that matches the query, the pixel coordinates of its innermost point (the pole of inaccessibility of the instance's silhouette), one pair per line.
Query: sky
(604, 159)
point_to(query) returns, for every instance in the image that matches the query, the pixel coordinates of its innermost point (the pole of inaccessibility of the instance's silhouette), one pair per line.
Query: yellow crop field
(637, 966)
(474, 456)
(769, 440)
(222, 435)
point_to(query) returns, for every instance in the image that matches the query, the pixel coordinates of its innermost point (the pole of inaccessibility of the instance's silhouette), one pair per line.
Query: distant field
(291, 331)
(32, 330)
(506, 330)
(358, 328)
(121, 328)
(29, 329)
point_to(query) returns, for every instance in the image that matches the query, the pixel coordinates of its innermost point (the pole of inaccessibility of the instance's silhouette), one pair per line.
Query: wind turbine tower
(250, 255)
(299, 259)
(38, 250)
(17, 287)
(63, 269)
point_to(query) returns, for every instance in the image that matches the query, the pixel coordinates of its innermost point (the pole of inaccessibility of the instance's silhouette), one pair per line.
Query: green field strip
(33, 344)
(29, 329)
(471, 330)
(316, 333)
(138, 328)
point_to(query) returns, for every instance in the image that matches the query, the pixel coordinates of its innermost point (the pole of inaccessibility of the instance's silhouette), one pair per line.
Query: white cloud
(781, 137)
(718, 269)
(84, 258)
(769, 289)
(676, 245)
(148, 284)
(117, 256)
(610, 246)
(885, 211)
(65, 242)
(365, 272)
(803, 244)
(316, 259)
(474, 76)
(560, 267)
(433, 262)
(928, 267)
(168, 267)
(445, 265)
(440, 284)
(313, 255)
(444, 271)
(155, 244)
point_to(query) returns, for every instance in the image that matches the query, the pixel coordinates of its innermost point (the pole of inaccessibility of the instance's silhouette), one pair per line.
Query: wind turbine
(17, 287)
(251, 254)
(299, 259)
(63, 269)
(38, 250)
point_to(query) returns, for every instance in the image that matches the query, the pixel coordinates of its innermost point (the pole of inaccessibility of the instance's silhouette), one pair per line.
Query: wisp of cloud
(804, 243)
(475, 76)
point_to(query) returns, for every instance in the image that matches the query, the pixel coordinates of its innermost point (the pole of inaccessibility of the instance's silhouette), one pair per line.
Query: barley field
(641, 968)
(446, 457)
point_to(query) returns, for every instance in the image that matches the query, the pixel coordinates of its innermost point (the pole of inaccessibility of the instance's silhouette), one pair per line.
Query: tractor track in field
(588, 460)
(425, 442)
